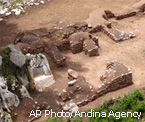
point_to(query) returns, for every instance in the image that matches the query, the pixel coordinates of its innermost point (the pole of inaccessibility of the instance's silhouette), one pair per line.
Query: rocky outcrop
(39, 71)
(9, 99)
(1, 111)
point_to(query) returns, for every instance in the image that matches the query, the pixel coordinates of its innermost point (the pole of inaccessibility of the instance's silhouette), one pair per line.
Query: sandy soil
(130, 52)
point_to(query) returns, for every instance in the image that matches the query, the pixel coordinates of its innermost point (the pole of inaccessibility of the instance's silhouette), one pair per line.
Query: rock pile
(79, 92)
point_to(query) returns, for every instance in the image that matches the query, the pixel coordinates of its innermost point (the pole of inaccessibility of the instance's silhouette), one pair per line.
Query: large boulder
(39, 71)
(16, 56)
(9, 99)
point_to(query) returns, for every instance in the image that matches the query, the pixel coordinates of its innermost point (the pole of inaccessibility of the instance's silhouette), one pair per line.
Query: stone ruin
(84, 41)
(31, 43)
(80, 92)
(117, 76)
(118, 35)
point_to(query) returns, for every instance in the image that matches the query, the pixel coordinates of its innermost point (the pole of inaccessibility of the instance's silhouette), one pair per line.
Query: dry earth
(130, 52)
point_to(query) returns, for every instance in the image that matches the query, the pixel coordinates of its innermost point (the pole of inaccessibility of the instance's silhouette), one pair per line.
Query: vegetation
(133, 102)
(8, 71)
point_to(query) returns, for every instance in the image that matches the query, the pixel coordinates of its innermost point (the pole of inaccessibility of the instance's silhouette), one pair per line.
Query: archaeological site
(72, 56)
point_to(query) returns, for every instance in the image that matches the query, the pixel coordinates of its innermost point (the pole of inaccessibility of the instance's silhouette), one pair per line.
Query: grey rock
(16, 56)
(24, 81)
(7, 118)
(1, 63)
(9, 99)
(1, 110)
(14, 47)
(24, 93)
(6, 1)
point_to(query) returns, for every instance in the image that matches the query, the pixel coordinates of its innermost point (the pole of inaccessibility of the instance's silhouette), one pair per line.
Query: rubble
(77, 92)
(39, 71)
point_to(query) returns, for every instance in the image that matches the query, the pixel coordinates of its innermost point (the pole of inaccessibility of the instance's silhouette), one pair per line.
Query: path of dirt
(129, 52)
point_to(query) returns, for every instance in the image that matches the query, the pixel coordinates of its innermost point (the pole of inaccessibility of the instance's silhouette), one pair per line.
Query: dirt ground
(129, 52)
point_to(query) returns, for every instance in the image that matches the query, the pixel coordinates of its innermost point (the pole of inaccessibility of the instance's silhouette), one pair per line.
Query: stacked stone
(117, 76)
(129, 13)
(76, 41)
(117, 35)
(63, 45)
(91, 48)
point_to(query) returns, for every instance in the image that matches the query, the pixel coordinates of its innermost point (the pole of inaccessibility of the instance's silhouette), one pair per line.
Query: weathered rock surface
(9, 99)
(17, 57)
(1, 110)
(39, 71)
(24, 93)
(7, 118)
